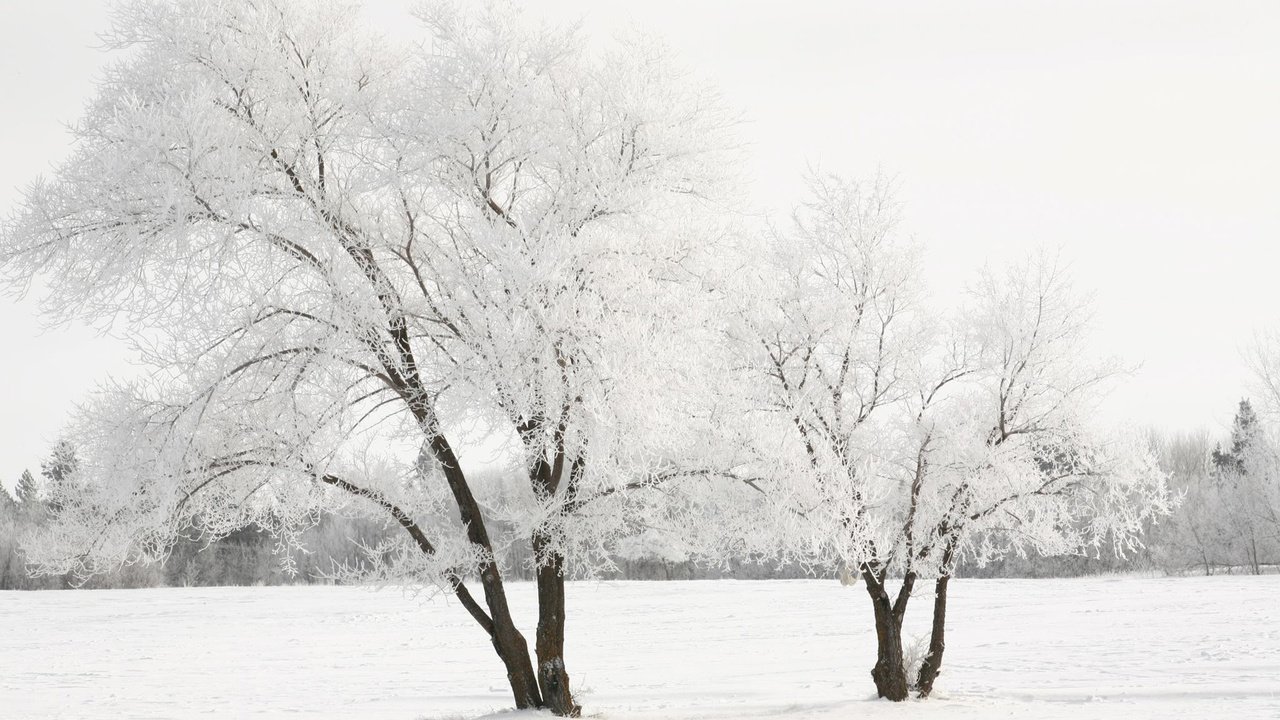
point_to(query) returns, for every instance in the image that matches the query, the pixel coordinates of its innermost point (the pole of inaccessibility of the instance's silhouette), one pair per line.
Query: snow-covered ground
(1094, 648)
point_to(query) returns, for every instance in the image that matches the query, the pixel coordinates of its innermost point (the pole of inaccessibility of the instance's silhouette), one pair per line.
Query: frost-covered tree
(17, 513)
(896, 443)
(1003, 458)
(1194, 535)
(339, 256)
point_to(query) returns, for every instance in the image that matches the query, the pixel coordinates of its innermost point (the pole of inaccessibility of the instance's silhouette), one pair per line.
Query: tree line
(1227, 522)
(333, 550)
(249, 556)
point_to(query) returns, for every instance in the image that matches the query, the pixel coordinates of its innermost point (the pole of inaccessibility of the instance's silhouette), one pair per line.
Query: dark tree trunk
(890, 672)
(553, 677)
(514, 652)
(507, 639)
(403, 376)
(932, 664)
(515, 656)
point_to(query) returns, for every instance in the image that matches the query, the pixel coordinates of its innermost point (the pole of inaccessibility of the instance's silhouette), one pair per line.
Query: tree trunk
(932, 664)
(509, 642)
(553, 677)
(507, 639)
(514, 652)
(890, 672)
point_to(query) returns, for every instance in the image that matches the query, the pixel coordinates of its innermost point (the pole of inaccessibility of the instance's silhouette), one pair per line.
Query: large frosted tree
(337, 256)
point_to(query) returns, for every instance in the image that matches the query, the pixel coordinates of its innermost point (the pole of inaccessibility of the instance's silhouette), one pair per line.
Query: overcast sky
(1141, 138)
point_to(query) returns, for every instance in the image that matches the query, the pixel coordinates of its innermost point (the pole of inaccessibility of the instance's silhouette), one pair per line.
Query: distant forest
(1225, 522)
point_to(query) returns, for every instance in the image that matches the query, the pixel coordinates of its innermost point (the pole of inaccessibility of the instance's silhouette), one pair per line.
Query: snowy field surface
(1093, 648)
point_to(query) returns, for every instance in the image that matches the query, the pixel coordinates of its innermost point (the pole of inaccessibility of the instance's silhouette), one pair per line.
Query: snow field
(1084, 648)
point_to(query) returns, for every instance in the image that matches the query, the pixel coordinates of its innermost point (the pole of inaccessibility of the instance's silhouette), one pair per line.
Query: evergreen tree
(58, 472)
(1244, 432)
(27, 491)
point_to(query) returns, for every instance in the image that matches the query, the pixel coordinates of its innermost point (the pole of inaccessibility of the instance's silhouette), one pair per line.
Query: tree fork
(889, 672)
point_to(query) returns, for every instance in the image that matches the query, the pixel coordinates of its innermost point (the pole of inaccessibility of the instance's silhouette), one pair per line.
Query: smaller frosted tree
(1004, 459)
(896, 443)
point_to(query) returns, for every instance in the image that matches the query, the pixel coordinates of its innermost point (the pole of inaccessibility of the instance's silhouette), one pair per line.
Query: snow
(1095, 648)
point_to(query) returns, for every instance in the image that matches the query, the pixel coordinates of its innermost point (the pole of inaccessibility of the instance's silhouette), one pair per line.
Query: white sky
(1140, 137)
